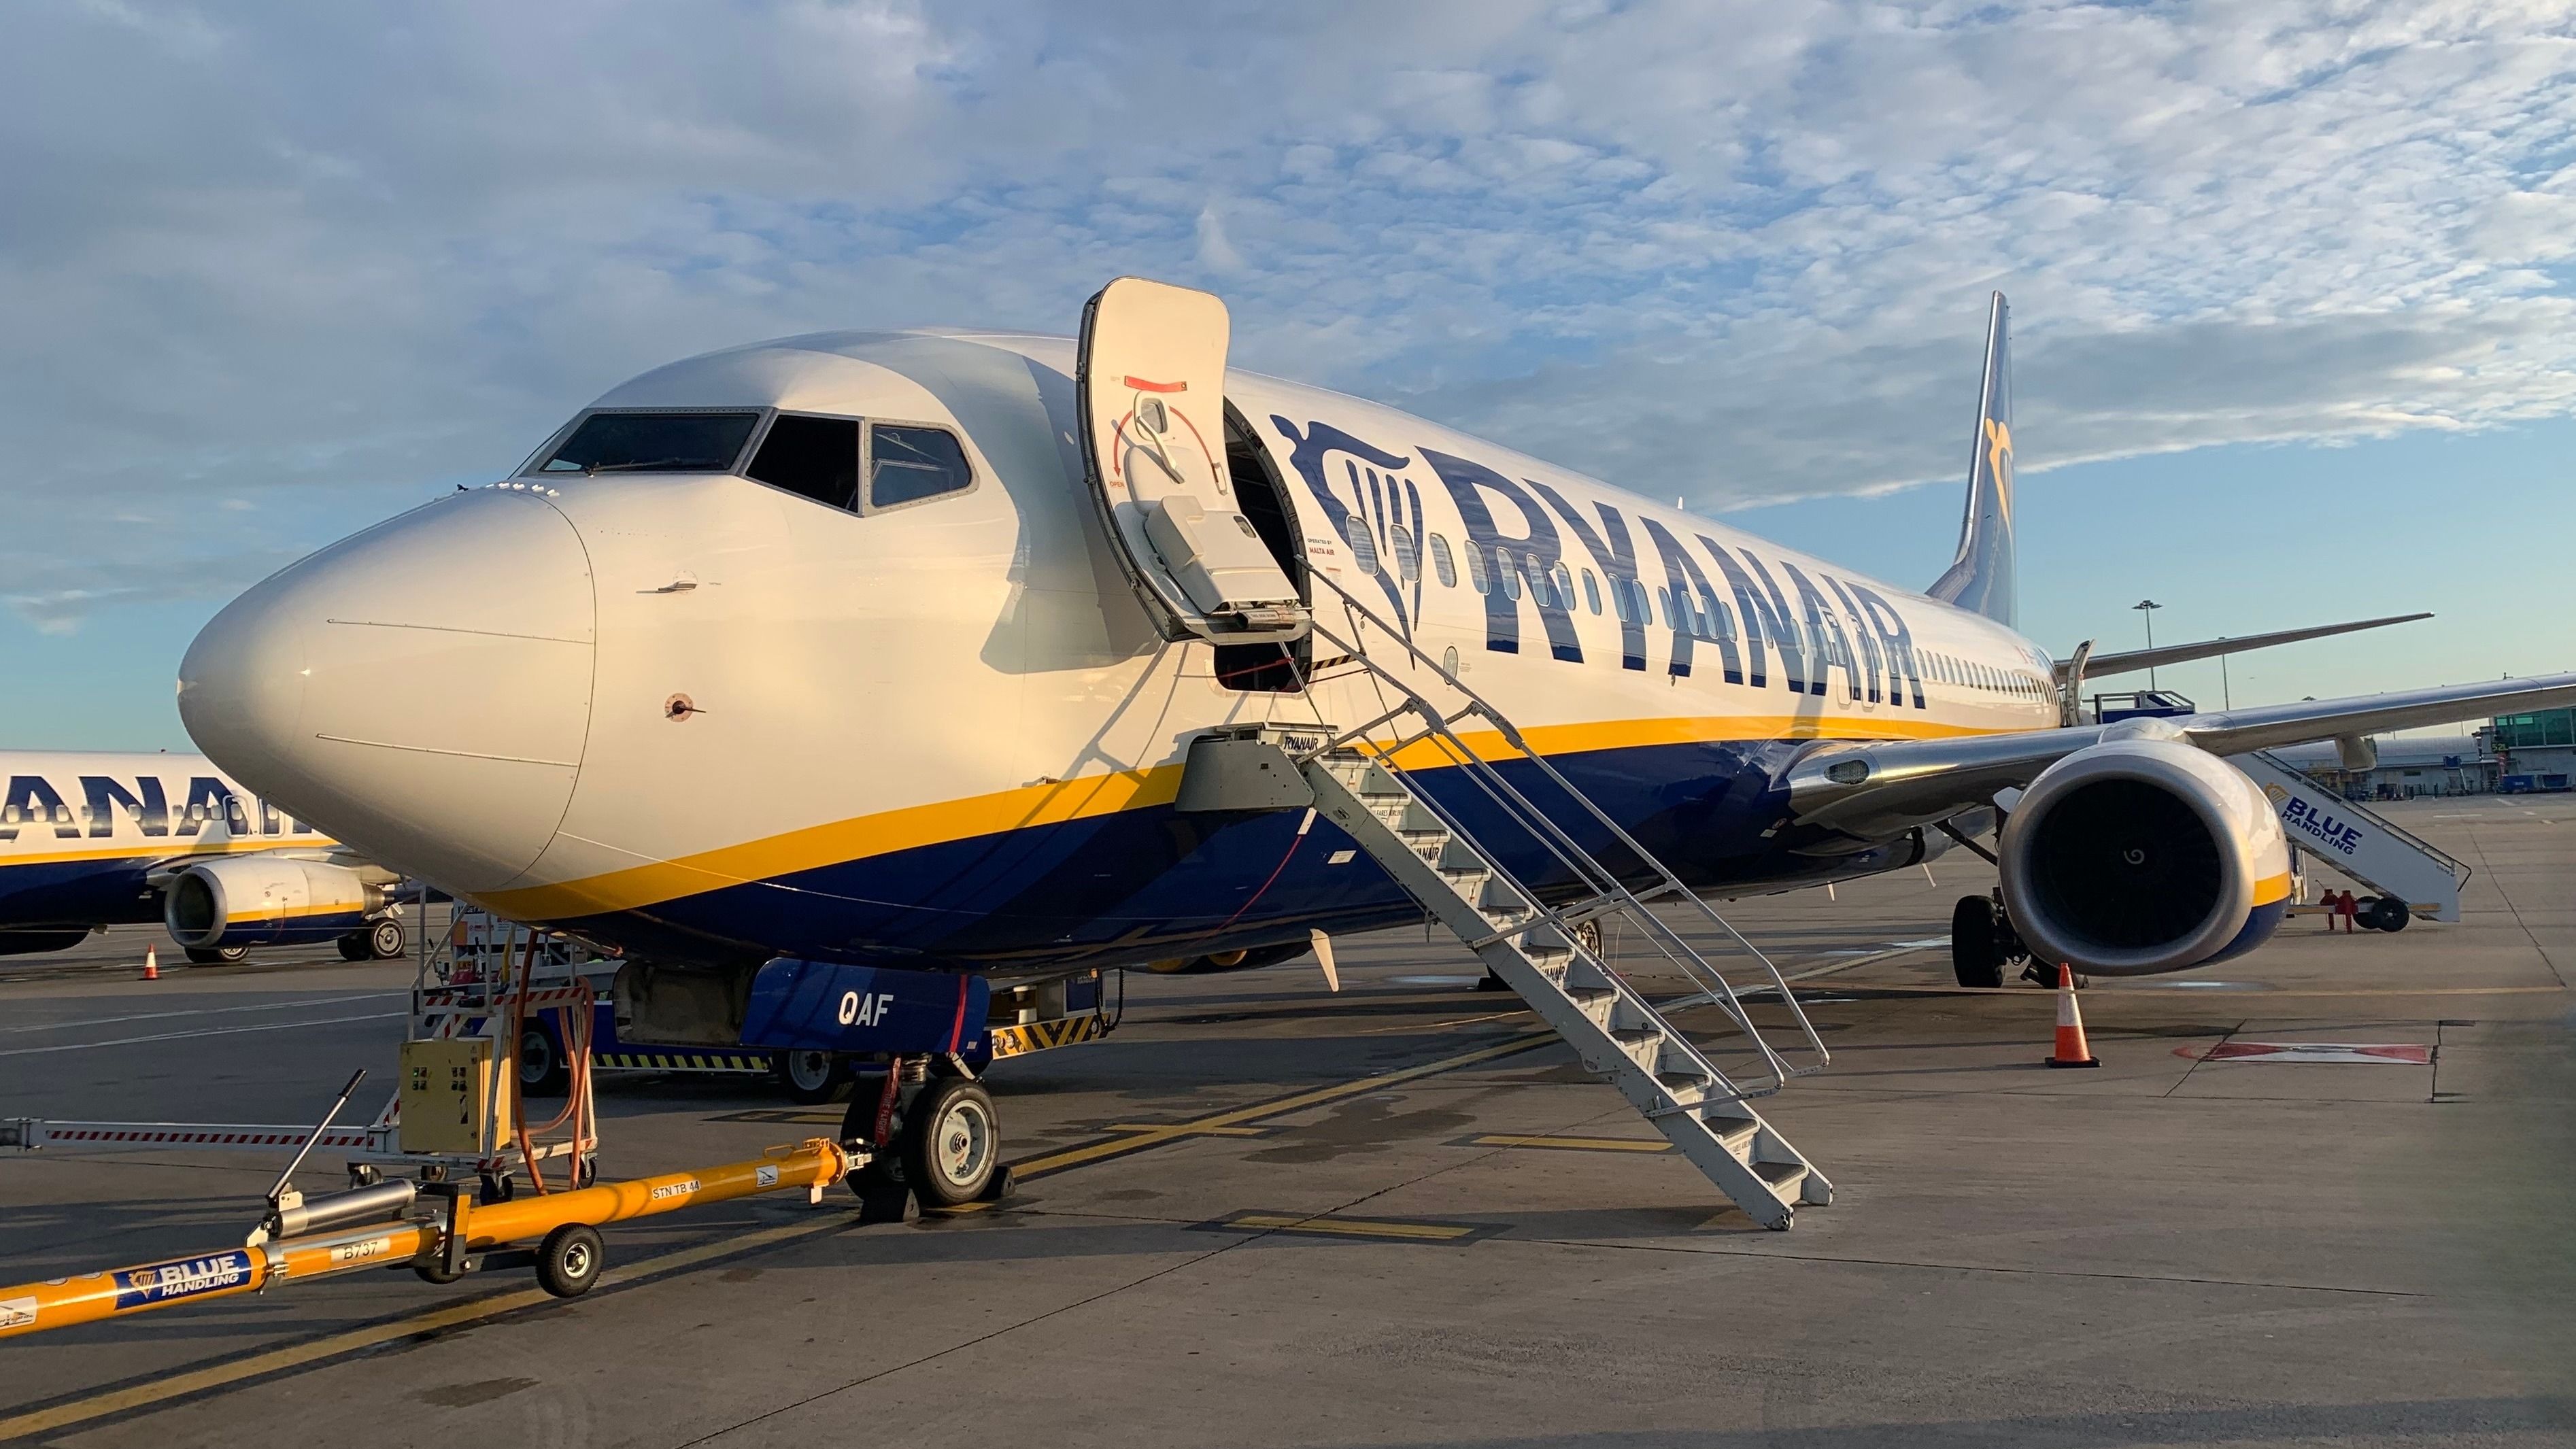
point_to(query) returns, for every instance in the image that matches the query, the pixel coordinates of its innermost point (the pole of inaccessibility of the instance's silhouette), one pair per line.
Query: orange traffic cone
(2071, 1050)
(151, 963)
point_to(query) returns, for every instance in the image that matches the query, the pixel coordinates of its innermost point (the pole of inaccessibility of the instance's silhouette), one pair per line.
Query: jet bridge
(2358, 842)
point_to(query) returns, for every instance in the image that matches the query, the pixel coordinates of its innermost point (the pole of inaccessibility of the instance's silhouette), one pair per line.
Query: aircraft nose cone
(421, 690)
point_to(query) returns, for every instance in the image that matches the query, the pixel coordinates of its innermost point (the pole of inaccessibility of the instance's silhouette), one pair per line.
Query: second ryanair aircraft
(889, 650)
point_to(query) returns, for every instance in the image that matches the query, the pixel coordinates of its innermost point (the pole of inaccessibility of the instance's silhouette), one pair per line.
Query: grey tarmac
(1261, 1215)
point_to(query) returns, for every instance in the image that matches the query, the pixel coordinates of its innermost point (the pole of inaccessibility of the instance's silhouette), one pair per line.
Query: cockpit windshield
(653, 443)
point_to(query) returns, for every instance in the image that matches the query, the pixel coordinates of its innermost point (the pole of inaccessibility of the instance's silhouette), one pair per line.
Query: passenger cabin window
(1442, 563)
(1363, 547)
(692, 442)
(909, 464)
(1476, 570)
(1408, 562)
(818, 457)
(1591, 592)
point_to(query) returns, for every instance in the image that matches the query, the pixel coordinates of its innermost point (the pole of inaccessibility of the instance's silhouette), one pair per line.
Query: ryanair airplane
(892, 652)
(90, 840)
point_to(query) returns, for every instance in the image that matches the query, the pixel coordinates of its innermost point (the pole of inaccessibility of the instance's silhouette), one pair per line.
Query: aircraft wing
(1877, 791)
(2099, 665)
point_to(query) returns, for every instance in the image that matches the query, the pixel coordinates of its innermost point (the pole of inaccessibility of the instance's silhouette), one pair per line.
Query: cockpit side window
(663, 442)
(908, 464)
(818, 457)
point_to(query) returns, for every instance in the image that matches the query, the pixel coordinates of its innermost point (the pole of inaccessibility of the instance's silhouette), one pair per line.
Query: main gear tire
(1976, 943)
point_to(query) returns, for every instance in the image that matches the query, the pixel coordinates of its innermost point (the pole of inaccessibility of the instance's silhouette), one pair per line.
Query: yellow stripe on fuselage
(842, 840)
(145, 850)
(1090, 796)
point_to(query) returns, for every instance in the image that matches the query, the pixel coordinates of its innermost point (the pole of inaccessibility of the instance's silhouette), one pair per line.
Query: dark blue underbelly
(1152, 883)
(77, 893)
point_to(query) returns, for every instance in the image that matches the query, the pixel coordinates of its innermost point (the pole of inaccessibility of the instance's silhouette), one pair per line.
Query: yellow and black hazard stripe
(667, 1061)
(1037, 1036)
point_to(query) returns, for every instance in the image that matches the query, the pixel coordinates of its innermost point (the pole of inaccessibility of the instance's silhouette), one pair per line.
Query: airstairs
(1369, 781)
(2357, 841)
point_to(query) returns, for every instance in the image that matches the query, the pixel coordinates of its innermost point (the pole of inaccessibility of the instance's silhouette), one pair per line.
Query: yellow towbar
(440, 1248)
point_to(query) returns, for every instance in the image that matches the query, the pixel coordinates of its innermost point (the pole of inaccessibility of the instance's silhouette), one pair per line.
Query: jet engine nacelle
(265, 900)
(2142, 854)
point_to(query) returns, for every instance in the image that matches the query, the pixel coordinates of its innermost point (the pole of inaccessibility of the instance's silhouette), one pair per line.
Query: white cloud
(318, 265)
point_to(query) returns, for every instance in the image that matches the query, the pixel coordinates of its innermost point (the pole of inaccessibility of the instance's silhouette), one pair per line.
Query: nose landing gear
(937, 1136)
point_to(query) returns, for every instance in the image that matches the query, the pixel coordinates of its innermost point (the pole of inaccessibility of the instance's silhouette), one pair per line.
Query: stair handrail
(1570, 853)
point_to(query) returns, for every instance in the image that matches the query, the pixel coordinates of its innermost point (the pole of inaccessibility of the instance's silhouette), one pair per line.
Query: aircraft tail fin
(1982, 576)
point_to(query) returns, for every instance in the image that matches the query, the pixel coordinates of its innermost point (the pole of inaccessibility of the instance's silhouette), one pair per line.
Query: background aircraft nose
(421, 690)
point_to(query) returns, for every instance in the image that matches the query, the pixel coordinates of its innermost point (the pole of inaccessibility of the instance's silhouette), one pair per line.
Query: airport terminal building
(2514, 754)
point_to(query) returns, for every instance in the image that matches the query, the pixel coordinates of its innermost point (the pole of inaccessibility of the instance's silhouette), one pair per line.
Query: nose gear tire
(952, 1142)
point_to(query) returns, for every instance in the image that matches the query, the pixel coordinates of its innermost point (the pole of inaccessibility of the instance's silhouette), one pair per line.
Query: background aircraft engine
(261, 900)
(2142, 855)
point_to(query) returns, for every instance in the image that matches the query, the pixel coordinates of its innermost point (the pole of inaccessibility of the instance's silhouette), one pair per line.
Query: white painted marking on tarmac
(82, 1046)
(1437, 980)
(204, 1011)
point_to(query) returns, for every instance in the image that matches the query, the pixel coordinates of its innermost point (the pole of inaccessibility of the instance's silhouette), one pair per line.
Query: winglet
(1982, 576)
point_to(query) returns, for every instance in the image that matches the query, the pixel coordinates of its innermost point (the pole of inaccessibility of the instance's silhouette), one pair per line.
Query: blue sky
(2293, 331)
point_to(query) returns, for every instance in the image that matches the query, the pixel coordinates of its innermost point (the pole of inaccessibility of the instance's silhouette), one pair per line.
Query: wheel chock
(883, 1198)
(1000, 1187)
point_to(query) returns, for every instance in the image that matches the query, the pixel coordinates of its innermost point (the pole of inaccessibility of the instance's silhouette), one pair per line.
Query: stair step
(1416, 818)
(1616, 1033)
(1377, 784)
(1784, 1178)
(1456, 854)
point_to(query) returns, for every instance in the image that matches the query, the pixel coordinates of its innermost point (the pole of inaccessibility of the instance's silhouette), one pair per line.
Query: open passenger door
(1150, 385)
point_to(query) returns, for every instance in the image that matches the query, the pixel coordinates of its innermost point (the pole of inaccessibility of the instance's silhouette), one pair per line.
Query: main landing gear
(384, 940)
(937, 1135)
(1983, 942)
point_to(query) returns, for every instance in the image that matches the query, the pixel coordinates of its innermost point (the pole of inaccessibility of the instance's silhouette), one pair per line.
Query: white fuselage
(693, 713)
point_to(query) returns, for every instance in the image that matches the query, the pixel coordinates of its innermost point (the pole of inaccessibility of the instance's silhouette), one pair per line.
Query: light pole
(2148, 607)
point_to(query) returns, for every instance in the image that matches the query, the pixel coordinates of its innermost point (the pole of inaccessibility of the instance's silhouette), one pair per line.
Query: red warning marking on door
(2414, 1054)
(1141, 385)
